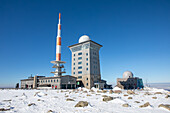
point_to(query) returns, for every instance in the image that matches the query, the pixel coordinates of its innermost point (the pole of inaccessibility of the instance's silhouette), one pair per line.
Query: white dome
(127, 74)
(84, 38)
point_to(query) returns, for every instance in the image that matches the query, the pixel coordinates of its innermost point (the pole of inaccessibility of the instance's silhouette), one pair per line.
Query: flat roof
(85, 42)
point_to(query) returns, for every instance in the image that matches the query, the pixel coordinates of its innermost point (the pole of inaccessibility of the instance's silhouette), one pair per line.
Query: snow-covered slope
(42, 101)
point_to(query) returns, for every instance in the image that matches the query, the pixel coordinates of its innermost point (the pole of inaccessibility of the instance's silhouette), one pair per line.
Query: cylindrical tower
(58, 64)
(58, 43)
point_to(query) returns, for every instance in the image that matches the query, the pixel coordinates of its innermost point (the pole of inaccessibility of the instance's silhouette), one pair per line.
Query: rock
(2, 109)
(88, 95)
(147, 93)
(49, 111)
(36, 93)
(125, 105)
(130, 92)
(84, 91)
(125, 95)
(81, 104)
(104, 96)
(110, 92)
(167, 96)
(137, 102)
(66, 96)
(145, 105)
(104, 91)
(31, 104)
(129, 97)
(158, 93)
(69, 99)
(91, 90)
(7, 100)
(39, 100)
(98, 94)
(117, 91)
(154, 97)
(166, 106)
(99, 91)
(107, 98)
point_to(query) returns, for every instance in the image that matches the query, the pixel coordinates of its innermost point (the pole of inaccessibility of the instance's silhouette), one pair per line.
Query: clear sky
(135, 35)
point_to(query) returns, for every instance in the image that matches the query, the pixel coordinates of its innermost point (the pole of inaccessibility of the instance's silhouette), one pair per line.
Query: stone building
(86, 63)
(129, 81)
(59, 82)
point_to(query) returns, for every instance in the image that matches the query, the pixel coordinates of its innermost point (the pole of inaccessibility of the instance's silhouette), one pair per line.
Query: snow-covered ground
(55, 100)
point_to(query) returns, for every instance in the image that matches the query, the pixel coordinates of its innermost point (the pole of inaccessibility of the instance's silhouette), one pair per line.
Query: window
(51, 80)
(86, 54)
(87, 84)
(79, 72)
(57, 80)
(86, 59)
(87, 64)
(74, 68)
(80, 67)
(74, 54)
(48, 80)
(79, 62)
(74, 59)
(79, 58)
(79, 76)
(73, 63)
(80, 53)
(54, 80)
(86, 78)
(74, 73)
(87, 69)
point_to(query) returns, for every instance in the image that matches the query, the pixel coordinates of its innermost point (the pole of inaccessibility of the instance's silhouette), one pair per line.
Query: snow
(55, 100)
(116, 88)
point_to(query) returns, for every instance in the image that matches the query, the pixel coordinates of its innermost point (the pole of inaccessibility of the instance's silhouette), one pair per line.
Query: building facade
(59, 82)
(85, 62)
(129, 81)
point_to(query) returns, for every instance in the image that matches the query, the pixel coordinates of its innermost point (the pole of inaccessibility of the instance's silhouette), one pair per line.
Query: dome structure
(84, 38)
(127, 74)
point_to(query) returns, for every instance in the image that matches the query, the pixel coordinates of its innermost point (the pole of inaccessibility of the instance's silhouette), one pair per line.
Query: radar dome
(84, 38)
(127, 74)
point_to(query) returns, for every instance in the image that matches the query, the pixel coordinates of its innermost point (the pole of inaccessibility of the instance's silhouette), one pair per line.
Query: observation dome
(84, 38)
(127, 74)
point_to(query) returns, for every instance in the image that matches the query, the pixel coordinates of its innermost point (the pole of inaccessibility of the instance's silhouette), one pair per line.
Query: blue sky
(135, 35)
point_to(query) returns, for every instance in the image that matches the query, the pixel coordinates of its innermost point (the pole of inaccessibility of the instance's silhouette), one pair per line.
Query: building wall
(27, 83)
(52, 81)
(85, 63)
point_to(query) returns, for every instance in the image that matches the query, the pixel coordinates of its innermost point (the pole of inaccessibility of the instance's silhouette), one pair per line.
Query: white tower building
(85, 62)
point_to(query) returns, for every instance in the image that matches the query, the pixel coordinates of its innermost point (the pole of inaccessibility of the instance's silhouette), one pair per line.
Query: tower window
(74, 68)
(87, 84)
(86, 59)
(74, 73)
(74, 64)
(79, 72)
(80, 67)
(79, 76)
(74, 54)
(87, 69)
(86, 54)
(86, 78)
(79, 62)
(87, 64)
(79, 58)
(74, 59)
(80, 53)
